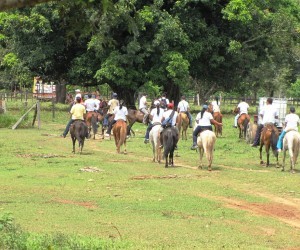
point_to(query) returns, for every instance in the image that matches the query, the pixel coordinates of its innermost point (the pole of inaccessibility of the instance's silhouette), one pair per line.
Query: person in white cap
(78, 93)
(156, 116)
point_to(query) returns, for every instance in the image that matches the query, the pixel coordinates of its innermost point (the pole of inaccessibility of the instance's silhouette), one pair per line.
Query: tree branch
(11, 4)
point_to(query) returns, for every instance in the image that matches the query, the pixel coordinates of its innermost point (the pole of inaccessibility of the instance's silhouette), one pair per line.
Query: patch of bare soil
(91, 169)
(89, 205)
(39, 155)
(144, 177)
(284, 210)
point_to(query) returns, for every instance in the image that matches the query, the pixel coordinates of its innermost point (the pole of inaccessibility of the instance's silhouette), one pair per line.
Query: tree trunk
(127, 95)
(61, 92)
(173, 92)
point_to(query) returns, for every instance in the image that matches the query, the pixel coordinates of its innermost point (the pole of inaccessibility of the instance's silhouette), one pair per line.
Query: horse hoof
(261, 162)
(199, 167)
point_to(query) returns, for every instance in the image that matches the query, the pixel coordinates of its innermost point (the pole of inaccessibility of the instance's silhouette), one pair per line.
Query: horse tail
(168, 143)
(123, 133)
(296, 148)
(245, 125)
(274, 139)
(208, 145)
(94, 124)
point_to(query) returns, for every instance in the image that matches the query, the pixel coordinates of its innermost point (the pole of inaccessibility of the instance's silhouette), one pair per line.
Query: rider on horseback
(78, 112)
(184, 107)
(111, 106)
(242, 109)
(157, 115)
(268, 114)
(90, 104)
(120, 113)
(143, 107)
(204, 120)
(291, 123)
(170, 113)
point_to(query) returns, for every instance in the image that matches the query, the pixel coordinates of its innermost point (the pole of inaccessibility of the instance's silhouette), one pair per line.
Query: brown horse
(91, 120)
(243, 121)
(134, 116)
(119, 131)
(183, 122)
(269, 138)
(217, 117)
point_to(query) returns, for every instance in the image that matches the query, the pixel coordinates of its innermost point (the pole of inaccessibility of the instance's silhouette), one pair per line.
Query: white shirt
(157, 118)
(205, 120)
(216, 107)
(243, 107)
(143, 102)
(97, 102)
(120, 113)
(292, 121)
(268, 112)
(168, 113)
(90, 104)
(183, 106)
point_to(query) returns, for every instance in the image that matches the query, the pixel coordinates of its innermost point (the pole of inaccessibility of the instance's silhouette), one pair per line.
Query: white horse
(206, 142)
(154, 137)
(250, 132)
(291, 142)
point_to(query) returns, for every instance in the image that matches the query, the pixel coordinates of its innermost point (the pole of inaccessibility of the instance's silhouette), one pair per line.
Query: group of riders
(268, 116)
(162, 112)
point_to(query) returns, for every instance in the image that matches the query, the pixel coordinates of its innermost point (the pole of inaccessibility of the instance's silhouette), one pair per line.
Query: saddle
(270, 127)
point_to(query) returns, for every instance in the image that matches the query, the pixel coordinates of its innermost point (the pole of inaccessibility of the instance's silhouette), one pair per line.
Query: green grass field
(133, 203)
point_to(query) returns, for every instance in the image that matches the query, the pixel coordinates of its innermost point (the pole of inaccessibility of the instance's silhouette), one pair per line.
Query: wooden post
(22, 118)
(38, 105)
(53, 109)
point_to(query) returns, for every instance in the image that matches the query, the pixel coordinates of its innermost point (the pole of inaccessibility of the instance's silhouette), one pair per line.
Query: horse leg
(171, 158)
(73, 141)
(166, 165)
(201, 156)
(268, 154)
(260, 154)
(283, 160)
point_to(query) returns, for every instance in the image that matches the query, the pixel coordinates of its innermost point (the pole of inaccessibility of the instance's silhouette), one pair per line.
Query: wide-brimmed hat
(77, 90)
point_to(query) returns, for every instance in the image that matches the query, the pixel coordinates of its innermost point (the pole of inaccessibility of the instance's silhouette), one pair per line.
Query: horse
(78, 131)
(119, 131)
(206, 143)
(184, 123)
(243, 121)
(250, 132)
(135, 116)
(155, 141)
(269, 138)
(91, 120)
(170, 138)
(218, 117)
(291, 142)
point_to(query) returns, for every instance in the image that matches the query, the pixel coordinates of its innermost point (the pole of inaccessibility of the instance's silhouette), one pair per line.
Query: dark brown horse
(91, 120)
(134, 116)
(269, 138)
(78, 131)
(243, 121)
(120, 131)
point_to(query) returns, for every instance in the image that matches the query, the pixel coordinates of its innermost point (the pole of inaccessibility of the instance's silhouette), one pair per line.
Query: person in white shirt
(291, 123)
(111, 105)
(156, 116)
(164, 101)
(242, 109)
(97, 102)
(143, 107)
(120, 113)
(77, 94)
(268, 114)
(184, 107)
(90, 104)
(204, 120)
(171, 112)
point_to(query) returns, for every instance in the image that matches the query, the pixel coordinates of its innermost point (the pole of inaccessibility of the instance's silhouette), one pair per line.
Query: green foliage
(294, 90)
